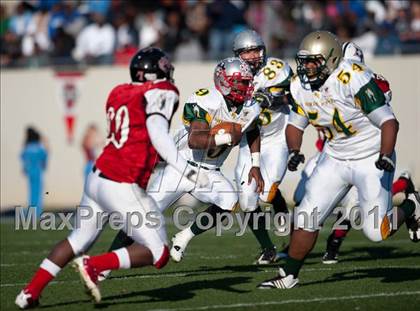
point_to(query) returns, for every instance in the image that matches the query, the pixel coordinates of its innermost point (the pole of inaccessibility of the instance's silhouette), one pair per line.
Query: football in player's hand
(234, 129)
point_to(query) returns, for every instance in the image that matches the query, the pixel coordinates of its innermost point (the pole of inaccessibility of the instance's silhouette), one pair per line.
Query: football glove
(264, 98)
(385, 163)
(295, 158)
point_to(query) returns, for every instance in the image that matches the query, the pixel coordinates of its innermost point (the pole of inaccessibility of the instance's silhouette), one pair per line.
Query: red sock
(107, 261)
(39, 281)
(338, 234)
(399, 185)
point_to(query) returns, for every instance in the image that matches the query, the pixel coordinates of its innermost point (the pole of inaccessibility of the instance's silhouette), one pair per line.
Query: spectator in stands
(34, 162)
(262, 17)
(36, 41)
(410, 36)
(196, 30)
(315, 17)
(197, 23)
(63, 44)
(126, 39)
(175, 29)
(227, 19)
(95, 43)
(65, 15)
(20, 20)
(151, 27)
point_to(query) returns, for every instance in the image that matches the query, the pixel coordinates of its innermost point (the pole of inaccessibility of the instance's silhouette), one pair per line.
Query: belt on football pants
(202, 166)
(94, 169)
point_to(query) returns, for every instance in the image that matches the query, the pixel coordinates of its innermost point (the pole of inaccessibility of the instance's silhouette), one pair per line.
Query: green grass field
(217, 274)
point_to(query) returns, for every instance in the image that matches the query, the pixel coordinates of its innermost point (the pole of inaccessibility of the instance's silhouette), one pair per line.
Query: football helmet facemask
(233, 78)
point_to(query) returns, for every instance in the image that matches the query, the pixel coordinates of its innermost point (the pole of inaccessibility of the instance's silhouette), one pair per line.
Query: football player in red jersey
(138, 116)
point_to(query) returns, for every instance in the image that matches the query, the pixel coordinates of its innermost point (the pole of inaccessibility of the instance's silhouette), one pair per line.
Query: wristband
(255, 159)
(222, 139)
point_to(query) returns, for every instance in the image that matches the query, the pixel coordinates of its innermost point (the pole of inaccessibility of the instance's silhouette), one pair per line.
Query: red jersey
(129, 155)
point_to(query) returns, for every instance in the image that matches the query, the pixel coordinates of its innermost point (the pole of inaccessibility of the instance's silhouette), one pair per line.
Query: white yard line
(195, 254)
(292, 301)
(215, 272)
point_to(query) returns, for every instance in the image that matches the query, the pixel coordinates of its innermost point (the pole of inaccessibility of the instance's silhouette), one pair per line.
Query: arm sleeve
(158, 129)
(381, 115)
(297, 116)
(161, 102)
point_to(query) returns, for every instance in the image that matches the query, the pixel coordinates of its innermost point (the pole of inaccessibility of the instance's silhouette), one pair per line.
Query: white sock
(50, 267)
(123, 257)
(188, 233)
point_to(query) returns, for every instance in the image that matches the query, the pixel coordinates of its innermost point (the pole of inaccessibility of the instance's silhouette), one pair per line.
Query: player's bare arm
(199, 136)
(254, 143)
(389, 131)
(293, 137)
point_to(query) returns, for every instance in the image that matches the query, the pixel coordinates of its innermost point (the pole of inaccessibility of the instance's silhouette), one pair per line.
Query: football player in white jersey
(271, 89)
(404, 184)
(341, 98)
(227, 101)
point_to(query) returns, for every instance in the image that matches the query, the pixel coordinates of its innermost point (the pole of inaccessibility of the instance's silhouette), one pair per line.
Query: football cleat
(266, 257)
(102, 276)
(25, 301)
(330, 258)
(413, 222)
(331, 254)
(282, 281)
(88, 276)
(179, 244)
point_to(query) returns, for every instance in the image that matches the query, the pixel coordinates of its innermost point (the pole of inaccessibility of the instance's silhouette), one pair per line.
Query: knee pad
(305, 219)
(378, 234)
(164, 258)
(248, 202)
(248, 198)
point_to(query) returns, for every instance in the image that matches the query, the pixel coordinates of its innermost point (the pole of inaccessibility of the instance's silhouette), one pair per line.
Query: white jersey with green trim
(273, 75)
(208, 105)
(349, 107)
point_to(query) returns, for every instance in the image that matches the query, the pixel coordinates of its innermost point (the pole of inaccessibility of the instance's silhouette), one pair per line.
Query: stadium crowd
(62, 32)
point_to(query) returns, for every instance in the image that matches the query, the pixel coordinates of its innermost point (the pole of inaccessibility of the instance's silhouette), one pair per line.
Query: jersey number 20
(118, 126)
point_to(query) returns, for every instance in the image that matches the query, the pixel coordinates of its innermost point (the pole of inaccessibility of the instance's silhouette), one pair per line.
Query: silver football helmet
(250, 40)
(233, 78)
